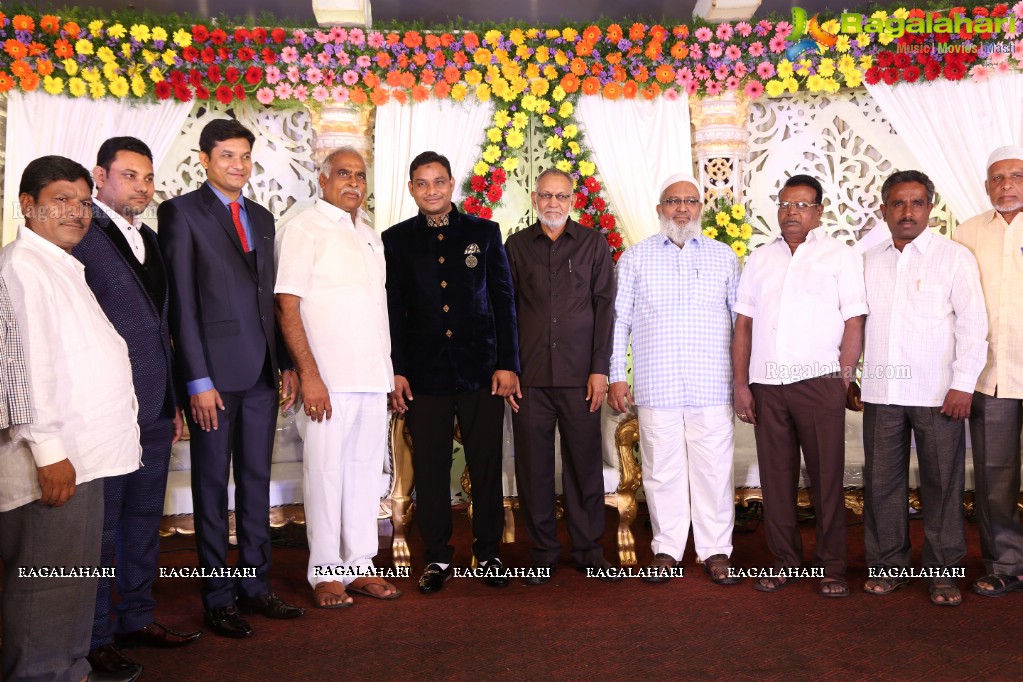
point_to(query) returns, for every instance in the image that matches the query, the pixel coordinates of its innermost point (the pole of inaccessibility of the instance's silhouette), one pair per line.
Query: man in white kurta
(333, 312)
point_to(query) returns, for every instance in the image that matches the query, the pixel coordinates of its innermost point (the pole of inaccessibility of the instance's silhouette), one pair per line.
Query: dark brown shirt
(564, 298)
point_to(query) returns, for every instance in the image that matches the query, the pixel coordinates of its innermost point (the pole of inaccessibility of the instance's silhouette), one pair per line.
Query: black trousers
(431, 423)
(540, 411)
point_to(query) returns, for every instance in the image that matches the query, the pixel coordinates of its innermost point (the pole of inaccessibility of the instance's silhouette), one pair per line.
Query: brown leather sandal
(360, 585)
(331, 589)
(717, 567)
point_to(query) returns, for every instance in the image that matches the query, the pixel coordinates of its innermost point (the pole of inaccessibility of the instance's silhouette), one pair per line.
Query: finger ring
(742, 416)
(314, 409)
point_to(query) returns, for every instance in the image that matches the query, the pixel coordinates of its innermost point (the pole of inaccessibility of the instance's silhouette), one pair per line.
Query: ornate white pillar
(722, 143)
(342, 125)
(343, 12)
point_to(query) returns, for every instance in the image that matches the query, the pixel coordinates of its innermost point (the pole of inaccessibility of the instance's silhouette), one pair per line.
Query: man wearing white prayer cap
(996, 238)
(675, 298)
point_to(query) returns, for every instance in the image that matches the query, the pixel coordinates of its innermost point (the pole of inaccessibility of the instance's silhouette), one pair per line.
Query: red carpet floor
(577, 628)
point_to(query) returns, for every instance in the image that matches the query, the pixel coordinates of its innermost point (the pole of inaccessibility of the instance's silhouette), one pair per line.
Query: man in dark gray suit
(219, 249)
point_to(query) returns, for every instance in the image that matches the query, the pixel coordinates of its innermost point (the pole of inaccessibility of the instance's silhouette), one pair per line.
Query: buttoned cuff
(48, 452)
(199, 386)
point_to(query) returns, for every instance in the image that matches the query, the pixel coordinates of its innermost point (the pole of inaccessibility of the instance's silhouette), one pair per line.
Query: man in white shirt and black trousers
(925, 348)
(84, 428)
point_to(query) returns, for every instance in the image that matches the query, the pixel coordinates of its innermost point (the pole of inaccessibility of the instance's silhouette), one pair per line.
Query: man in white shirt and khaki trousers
(996, 238)
(798, 336)
(925, 348)
(332, 309)
(84, 428)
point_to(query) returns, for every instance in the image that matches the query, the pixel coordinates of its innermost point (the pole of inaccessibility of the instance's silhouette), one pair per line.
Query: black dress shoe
(602, 570)
(540, 573)
(122, 676)
(160, 636)
(226, 622)
(494, 574)
(269, 605)
(434, 577)
(107, 660)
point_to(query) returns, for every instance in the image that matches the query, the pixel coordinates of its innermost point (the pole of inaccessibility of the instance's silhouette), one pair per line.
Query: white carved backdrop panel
(844, 141)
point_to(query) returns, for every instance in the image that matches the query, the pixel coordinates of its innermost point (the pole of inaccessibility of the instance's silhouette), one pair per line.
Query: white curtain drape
(637, 145)
(39, 124)
(952, 126)
(403, 131)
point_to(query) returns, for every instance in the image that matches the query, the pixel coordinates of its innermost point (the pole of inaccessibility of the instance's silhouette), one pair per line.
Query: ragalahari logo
(807, 36)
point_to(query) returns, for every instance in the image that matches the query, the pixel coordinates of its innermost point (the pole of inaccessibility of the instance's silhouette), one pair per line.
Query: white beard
(679, 235)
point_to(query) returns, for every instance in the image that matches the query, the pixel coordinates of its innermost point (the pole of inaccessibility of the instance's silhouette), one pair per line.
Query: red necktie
(236, 216)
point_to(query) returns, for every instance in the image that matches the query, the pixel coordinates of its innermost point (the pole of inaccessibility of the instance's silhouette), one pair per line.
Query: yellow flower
(159, 33)
(117, 31)
(532, 33)
(738, 211)
(95, 26)
(483, 93)
(550, 73)
(558, 94)
(482, 56)
(880, 14)
(574, 147)
(804, 67)
(519, 85)
(863, 39)
(90, 74)
(739, 248)
(901, 13)
(491, 154)
(826, 68)
(885, 38)
(138, 86)
(182, 38)
(831, 85)
(746, 231)
(517, 36)
(732, 230)
(565, 166)
(722, 218)
(519, 120)
(110, 70)
(846, 63)
(553, 33)
(532, 71)
(52, 85)
(458, 91)
(566, 110)
(70, 66)
(97, 90)
(494, 135)
(155, 75)
(831, 26)
(784, 69)
(569, 34)
(522, 52)
(529, 102)
(473, 78)
(140, 32)
(842, 44)
(542, 54)
(792, 84)
(774, 88)
(148, 56)
(500, 88)
(105, 55)
(502, 55)
(169, 56)
(76, 86)
(510, 164)
(510, 70)
(84, 46)
(481, 168)
(501, 118)
(493, 36)
(711, 233)
(548, 122)
(814, 83)
(126, 50)
(542, 106)
(119, 86)
(853, 79)
(514, 138)
(866, 61)
(560, 58)
(586, 168)
(539, 86)
(570, 131)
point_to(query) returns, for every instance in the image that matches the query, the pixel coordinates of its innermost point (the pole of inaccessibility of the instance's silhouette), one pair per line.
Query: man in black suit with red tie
(219, 249)
(126, 273)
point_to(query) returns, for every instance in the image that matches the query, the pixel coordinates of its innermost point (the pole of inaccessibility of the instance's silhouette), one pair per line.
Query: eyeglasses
(345, 174)
(547, 196)
(798, 205)
(675, 202)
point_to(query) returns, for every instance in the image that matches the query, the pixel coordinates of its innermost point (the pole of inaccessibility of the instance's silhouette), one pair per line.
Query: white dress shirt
(84, 407)
(129, 230)
(337, 269)
(799, 303)
(927, 325)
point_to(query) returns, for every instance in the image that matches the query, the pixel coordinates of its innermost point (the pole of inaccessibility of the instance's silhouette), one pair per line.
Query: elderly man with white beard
(332, 309)
(675, 300)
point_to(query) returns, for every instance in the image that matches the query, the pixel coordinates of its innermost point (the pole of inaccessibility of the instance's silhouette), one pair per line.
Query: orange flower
(612, 91)
(681, 31)
(44, 67)
(357, 96)
(379, 96)
(665, 73)
(591, 34)
(452, 75)
(402, 61)
(679, 50)
(642, 75)
(651, 91)
(20, 68)
(21, 22)
(614, 58)
(2, 17)
(15, 49)
(393, 38)
(441, 90)
(412, 39)
(6, 82)
(393, 78)
(439, 59)
(63, 49)
(459, 58)
(419, 58)
(399, 96)
(406, 80)
(597, 69)
(577, 66)
(432, 41)
(570, 83)
(35, 49)
(428, 77)
(72, 30)
(620, 74)
(590, 86)
(420, 94)
(446, 39)
(658, 33)
(383, 59)
(49, 23)
(630, 89)
(614, 33)
(584, 49)
(470, 40)
(653, 50)
(636, 32)
(29, 82)
(371, 80)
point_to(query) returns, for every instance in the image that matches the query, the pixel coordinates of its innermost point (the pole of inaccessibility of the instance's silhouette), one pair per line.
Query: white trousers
(687, 476)
(343, 462)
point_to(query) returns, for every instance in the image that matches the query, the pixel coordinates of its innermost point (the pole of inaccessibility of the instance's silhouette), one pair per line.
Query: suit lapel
(223, 216)
(111, 232)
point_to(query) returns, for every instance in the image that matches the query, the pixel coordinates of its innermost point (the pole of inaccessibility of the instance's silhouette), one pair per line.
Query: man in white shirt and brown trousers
(996, 238)
(925, 348)
(332, 309)
(84, 428)
(798, 336)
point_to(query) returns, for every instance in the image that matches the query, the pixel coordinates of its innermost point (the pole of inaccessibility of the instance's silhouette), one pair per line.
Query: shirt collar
(922, 240)
(571, 230)
(224, 198)
(117, 218)
(451, 216)
(48, 248)
(695, 241)
(339, 215)
(816, 234)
